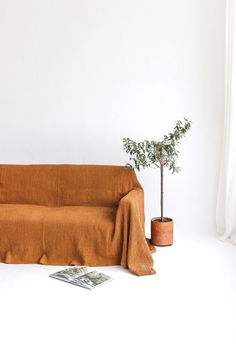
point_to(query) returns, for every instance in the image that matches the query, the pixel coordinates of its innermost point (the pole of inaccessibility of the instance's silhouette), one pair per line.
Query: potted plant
(158, 154)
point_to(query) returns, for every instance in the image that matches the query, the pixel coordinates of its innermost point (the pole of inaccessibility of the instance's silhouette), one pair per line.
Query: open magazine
(82, 276)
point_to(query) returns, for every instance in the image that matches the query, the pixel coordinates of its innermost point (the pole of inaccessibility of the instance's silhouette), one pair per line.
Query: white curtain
(226, 203)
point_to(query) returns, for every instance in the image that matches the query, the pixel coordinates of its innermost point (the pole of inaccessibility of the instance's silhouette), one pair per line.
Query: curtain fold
(226, 201)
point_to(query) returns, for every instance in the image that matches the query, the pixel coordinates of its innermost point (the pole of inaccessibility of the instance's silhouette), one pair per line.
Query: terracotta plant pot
(162, 232)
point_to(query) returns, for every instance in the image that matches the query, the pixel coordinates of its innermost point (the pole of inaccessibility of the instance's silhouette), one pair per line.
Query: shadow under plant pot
(162, 232)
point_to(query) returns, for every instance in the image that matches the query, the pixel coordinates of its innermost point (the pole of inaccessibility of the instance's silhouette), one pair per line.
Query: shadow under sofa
(73, 215)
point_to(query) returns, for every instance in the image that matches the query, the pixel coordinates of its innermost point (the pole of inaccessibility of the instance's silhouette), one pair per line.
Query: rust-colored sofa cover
(73, 215)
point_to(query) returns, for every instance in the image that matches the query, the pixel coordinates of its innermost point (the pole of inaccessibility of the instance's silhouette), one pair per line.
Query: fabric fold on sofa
(135, 254)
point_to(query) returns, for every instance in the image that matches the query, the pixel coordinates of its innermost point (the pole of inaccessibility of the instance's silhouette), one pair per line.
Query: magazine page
(70, 274)
(82, 276)
(92, 279)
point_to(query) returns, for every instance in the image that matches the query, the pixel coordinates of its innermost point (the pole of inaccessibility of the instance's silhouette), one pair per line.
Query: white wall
(77, 76)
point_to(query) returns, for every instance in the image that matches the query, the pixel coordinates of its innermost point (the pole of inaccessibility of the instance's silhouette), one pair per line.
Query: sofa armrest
(135, 252)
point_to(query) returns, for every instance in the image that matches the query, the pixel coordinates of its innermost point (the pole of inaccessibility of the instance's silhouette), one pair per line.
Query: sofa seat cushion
(58, 235)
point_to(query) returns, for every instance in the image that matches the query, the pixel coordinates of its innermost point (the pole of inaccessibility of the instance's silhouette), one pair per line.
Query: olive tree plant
(157, 154)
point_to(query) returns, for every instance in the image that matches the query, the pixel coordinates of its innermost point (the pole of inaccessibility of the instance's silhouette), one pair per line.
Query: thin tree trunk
(162, 193)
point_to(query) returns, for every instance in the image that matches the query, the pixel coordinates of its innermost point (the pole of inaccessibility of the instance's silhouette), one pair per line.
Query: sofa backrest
(65, 185)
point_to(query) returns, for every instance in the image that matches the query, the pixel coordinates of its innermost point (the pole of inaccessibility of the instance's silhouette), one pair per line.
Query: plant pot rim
(158, 220)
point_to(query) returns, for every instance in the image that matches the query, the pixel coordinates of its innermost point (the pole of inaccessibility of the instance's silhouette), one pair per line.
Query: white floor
(189, 306)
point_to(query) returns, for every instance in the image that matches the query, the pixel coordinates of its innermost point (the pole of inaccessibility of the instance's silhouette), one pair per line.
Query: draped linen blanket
(73, 215)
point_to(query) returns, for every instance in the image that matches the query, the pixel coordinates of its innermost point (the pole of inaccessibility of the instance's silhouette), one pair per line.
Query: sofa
(73, 215)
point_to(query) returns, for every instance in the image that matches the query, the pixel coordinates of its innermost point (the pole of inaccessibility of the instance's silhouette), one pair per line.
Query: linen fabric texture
(73, 215)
